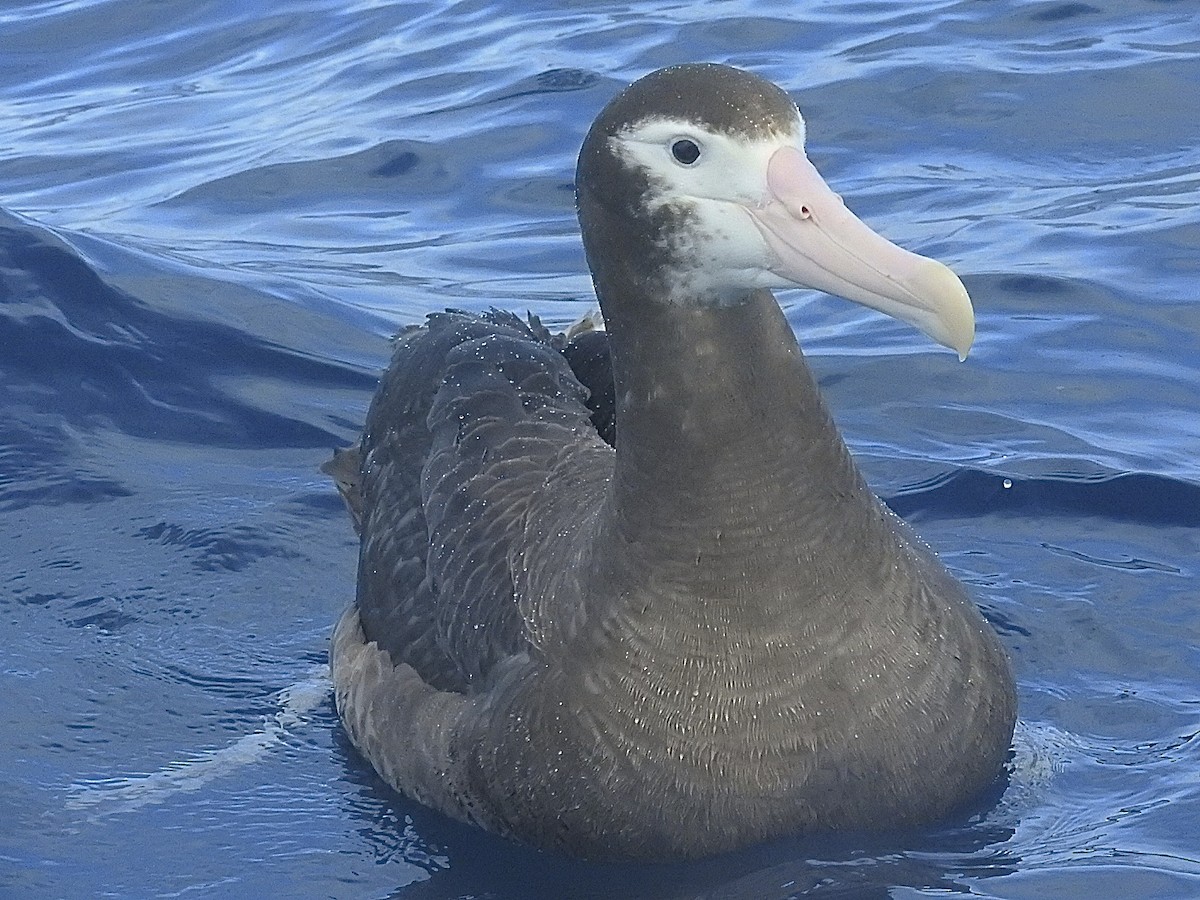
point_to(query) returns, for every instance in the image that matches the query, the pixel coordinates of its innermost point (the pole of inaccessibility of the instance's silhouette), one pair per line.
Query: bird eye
(685, 151)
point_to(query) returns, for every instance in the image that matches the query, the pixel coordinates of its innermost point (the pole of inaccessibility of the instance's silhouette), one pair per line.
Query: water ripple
(214, 216)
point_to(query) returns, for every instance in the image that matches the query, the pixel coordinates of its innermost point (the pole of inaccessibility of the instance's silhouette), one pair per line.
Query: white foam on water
(128, 793)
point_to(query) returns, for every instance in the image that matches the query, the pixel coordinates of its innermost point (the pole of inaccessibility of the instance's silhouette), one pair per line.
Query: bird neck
(723, 439)
(725, 448)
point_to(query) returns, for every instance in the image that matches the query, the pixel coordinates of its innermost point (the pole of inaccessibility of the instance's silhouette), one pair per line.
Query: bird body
(713, 633)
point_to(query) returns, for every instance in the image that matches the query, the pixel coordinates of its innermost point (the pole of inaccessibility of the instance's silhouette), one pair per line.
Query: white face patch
(719, 254)
(734, 213)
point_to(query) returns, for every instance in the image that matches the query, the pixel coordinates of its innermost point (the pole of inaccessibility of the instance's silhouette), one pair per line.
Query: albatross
(631, 597)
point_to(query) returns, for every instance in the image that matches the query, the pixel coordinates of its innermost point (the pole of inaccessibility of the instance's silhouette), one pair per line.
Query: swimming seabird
(712, 633)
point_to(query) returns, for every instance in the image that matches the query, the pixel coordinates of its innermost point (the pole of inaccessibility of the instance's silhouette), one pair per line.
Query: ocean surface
(214, 214)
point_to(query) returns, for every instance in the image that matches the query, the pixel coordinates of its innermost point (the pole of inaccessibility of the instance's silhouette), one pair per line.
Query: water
(212, 215)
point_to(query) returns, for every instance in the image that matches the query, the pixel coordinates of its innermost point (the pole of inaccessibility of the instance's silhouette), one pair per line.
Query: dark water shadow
(463, 861)
(85, 365)
(95, 355)
(1141, 497)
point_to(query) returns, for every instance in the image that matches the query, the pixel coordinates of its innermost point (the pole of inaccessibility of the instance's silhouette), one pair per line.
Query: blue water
(212, 215)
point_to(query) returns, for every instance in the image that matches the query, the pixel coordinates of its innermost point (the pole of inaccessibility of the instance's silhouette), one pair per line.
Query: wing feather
(476, 416)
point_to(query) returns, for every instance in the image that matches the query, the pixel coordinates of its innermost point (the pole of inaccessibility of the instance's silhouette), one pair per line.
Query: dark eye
(685, 151)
